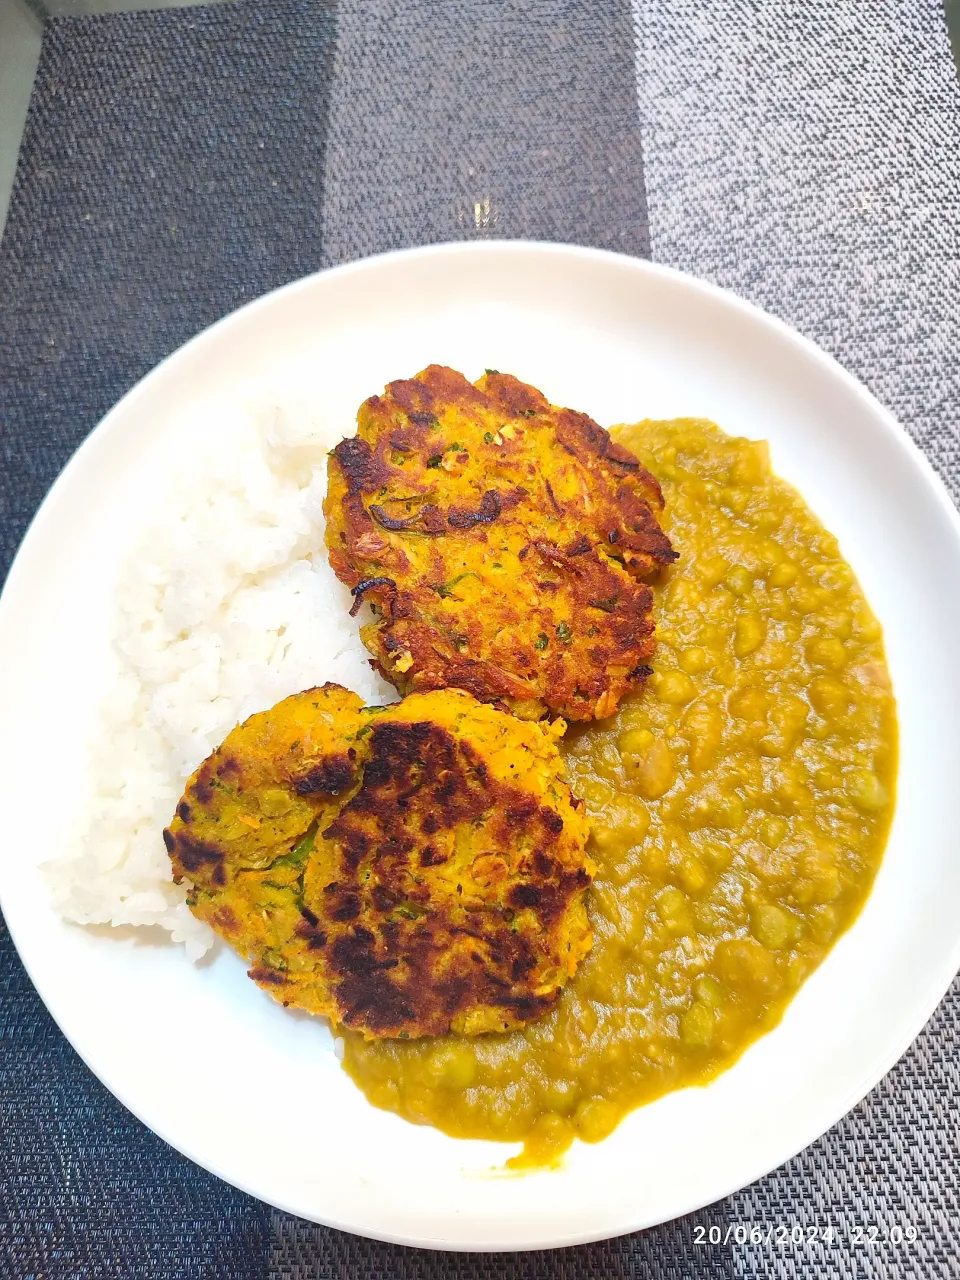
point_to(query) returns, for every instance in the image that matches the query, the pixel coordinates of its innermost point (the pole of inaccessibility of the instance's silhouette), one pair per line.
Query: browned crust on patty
(406, 950)
(501, 542)
(429, 877)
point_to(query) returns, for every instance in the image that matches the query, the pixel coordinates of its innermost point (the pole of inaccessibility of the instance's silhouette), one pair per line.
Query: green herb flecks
(541, 641)
(445, 589)
(409, 911)
(564, 634)
(300, 851)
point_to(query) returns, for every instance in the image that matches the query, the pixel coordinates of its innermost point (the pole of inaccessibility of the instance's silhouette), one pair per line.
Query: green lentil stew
(740, 806)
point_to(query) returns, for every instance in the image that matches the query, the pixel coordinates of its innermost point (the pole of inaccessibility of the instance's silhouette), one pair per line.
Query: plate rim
(456, 248)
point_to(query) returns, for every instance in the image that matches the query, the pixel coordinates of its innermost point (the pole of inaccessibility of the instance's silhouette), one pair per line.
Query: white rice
(225, 605)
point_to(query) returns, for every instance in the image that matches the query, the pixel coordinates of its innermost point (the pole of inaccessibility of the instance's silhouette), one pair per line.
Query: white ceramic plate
(254, 1093)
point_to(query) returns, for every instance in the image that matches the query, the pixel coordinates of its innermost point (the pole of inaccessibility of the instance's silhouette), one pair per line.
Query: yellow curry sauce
(740, 807)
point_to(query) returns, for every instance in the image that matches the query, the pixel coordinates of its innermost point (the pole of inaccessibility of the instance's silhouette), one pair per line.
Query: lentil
(740, 807)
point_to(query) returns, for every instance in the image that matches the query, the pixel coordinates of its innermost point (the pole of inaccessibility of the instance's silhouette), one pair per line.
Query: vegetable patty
(406, 870)
(501, 542)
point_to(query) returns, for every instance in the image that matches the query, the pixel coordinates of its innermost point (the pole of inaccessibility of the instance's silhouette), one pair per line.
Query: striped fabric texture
(805, 153)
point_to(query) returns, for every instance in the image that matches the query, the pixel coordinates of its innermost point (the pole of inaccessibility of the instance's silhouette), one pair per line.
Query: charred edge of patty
(365, 585)
(580, 435)
(576, 432)
(197, 859)
(362, 469)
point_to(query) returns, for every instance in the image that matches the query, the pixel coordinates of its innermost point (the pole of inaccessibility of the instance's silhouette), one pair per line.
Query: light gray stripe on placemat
(806, 153)
(502, 118)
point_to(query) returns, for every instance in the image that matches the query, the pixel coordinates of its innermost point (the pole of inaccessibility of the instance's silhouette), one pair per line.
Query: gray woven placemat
(806, 153)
